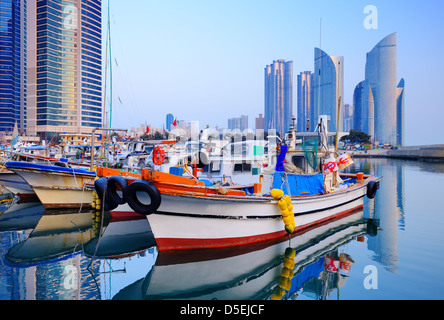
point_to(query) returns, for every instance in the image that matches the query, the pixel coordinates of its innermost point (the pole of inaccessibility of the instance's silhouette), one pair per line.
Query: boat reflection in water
(122, 236)
(262, 271)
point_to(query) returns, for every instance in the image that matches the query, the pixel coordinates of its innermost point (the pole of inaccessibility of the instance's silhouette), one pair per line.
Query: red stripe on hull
(177, 244)
(125, 216)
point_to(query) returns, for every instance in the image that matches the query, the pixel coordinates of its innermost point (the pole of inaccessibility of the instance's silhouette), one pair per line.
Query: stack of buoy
(286, 275)
(286, 207)
(96, 203)
(96, 222)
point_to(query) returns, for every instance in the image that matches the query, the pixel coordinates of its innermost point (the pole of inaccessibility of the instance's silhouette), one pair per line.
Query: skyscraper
(364, 109)
(240, 123)
(13, 65)
(64, 66)
(348, 117)
(305, 100)
(278, 96)
(328, 82)
(380, 72)
(169, 121)
(400, 113)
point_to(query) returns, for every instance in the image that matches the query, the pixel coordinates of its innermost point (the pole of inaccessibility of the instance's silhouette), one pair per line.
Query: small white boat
(56, 186)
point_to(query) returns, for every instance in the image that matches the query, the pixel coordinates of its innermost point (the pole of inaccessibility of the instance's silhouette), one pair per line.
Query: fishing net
(310, 148)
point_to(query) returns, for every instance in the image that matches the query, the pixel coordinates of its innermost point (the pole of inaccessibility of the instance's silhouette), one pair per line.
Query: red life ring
(158, 155)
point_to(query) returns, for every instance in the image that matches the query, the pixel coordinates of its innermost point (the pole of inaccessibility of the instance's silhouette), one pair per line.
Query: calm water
(393, 249)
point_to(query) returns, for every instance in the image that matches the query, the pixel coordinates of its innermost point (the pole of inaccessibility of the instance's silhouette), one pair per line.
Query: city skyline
(203, 43)
(200, 45)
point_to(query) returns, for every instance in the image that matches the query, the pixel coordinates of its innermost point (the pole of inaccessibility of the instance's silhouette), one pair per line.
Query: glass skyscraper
(400, 113)
(305, 101)
(327, 89)
(12, 65)
(380, 72)
(65, 66)
(278, 96)
(169, 121)
(364, 109)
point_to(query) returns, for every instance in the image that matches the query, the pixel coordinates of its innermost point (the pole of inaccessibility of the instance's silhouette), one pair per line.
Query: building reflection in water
(387, 209)
(45, 261)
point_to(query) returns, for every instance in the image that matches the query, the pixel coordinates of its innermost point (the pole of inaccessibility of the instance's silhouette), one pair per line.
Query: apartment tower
(64, 67)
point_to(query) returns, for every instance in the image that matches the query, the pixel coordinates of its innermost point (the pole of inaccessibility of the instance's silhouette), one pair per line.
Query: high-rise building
(169, 121)
(328, 82)
(240, 123)
(278, 96)
(380, 72)
(364, 109)
(13, 65)
(64, 66)
(400, 113)
(260, 121)
(305, 101)
(348, 117)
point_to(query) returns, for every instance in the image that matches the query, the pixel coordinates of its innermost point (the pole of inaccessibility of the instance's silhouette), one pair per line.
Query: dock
(431, 153)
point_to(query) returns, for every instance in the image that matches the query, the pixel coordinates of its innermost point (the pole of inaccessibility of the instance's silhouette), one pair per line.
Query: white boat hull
(196, 222)
(15, 184)
(59, 190)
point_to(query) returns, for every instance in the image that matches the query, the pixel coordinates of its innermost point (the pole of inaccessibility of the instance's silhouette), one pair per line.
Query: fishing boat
(186, 213)
(15, 184)
(56, 185)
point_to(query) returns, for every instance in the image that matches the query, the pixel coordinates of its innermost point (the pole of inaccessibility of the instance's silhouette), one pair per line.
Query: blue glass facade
(380, 72)
(327, 88)
(305, 100)
(169, 121)
(278, 96)
(364, 109)
(12, 64)
(68, 65)
(400, 112)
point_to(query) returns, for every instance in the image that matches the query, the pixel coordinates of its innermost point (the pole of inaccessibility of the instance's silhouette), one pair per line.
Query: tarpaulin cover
(300, 185)
(281, 158)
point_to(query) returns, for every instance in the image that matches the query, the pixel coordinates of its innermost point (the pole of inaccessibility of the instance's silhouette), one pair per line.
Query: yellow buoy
(289, 228)
(277, 193)
(287, 199)
(282, 204)
(285, 213)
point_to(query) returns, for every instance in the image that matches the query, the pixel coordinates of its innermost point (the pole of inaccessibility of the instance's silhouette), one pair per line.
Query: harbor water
(392, 249)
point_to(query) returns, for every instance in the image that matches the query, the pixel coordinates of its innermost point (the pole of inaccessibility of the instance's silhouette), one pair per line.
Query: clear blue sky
(204, 59)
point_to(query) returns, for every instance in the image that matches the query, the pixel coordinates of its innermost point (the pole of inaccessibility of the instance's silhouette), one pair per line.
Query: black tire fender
(100, 185)
(111, 189)
(136, 204)
(372, 186)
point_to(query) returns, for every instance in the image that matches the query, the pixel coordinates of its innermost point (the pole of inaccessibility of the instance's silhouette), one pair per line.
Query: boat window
(215, 166)
(239, 149)
(242, 167)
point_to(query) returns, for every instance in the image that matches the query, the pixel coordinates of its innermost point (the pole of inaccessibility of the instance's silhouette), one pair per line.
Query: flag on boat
(175, 123)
